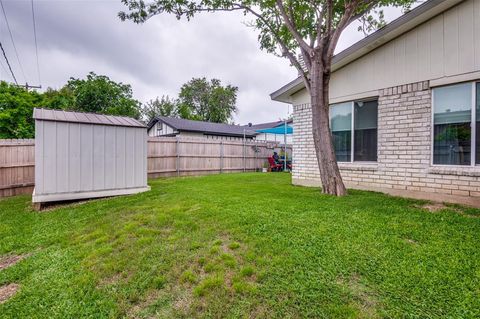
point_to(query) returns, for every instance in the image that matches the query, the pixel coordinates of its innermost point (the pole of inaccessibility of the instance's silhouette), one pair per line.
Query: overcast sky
(156, 58)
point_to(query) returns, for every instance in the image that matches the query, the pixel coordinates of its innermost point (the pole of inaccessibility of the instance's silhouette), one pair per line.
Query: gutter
(391, 31)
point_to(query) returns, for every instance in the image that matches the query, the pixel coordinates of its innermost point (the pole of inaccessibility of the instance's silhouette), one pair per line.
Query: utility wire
(36, 45)
(4, 69)
(8, 63)
(13, 42)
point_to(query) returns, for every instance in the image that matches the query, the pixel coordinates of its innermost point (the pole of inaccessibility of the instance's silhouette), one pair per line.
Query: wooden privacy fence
(167, 156)
(171, 156)
(17, 167)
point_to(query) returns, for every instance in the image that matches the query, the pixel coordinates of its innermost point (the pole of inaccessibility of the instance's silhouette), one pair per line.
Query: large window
(365, 118)
(477, 135)
(363, 136)
(453, 125)
(341, 126)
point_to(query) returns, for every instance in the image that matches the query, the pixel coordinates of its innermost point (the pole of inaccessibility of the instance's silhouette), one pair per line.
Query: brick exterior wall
(404, 152)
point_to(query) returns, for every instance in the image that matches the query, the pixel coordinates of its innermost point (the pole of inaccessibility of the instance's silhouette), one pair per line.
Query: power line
(8, 63)
(4, 69)
(36, 45)
(13, 42)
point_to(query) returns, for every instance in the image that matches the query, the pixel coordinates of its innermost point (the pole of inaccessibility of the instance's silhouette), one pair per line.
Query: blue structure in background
(279, 130)
(282, 129)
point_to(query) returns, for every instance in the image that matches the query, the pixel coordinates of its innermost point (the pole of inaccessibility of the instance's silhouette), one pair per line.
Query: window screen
(477, 137)
(341, 126)
(452, 119)
(365, 135)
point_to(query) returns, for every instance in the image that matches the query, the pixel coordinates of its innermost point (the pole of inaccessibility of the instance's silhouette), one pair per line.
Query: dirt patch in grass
(109, 281)
(7, 292)
(411, 241)
(183, 302)
(433, 207)
(150, 298)
(436, 207)
(10, 260)
(364, 298)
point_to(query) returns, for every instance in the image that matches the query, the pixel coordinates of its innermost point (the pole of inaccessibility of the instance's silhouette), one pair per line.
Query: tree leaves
(209, 101)
(199, 99)
(96, 93)
(160, 107)
(16, 110)
(99, 94)
(286, 28)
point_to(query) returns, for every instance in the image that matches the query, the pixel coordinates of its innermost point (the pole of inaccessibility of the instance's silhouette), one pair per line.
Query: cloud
(156, 58)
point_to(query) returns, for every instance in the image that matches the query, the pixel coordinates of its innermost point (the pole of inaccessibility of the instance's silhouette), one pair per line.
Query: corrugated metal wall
(74, 157)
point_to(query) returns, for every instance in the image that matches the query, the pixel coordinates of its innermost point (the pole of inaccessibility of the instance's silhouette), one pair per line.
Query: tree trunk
(332, 182)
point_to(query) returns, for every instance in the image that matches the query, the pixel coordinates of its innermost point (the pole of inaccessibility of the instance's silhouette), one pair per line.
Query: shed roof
(86, 118)
(203, 127)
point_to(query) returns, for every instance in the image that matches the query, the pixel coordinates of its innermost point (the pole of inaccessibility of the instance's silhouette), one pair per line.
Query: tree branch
(344, 22)
(290, 26)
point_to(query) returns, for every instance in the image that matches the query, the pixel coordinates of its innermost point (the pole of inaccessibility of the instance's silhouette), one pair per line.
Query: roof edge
(391, 31)
(56, 115)
(156, 119)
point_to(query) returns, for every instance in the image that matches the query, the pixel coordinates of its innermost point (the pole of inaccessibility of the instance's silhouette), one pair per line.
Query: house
(405, 107)
(269, 137)
(169, 126)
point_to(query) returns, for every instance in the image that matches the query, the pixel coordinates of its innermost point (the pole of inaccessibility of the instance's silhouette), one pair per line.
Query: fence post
(177, 150)
(256, 157)
(221, 156)
(244, 160)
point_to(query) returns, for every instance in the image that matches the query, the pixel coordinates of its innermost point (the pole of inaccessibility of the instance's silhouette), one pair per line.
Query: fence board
(169, 156)
(166, 156)
(17, 167)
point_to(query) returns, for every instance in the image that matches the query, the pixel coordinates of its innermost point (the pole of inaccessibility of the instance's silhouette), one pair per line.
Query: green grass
(239, 246)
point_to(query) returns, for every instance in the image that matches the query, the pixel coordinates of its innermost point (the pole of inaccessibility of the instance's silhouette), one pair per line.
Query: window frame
(473, 128)
(159, 129)
(352, 128)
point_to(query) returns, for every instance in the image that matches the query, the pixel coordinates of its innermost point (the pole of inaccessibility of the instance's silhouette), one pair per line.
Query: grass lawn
(240, 246)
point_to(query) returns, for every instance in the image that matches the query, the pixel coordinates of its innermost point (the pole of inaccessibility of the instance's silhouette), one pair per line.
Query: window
(364, 134)
(452, 125)
(477, 124)
(159, 128)
(341, 126)
(365, 118)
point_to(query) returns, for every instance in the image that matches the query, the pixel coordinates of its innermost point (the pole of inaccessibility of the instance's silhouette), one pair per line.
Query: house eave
(249, 135)
(396, 28)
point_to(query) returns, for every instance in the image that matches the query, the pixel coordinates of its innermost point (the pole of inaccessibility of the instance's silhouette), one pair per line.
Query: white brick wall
(404, 152)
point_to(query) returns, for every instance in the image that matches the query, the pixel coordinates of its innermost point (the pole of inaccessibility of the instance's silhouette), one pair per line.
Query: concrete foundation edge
(85, 195)
(436, 197)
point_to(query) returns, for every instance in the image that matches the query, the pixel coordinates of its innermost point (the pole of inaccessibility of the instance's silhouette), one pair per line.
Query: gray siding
(445, 46)
(166, 130)
(76, 158)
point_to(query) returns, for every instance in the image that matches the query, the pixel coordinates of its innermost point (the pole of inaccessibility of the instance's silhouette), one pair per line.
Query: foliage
(99, 94)
(160, 107)
(62, 99)
(304, 31)
(199, 99)
(214, 247)
(459, 133)
(286, 27)
(16, 109)
(209, 101)
(96, 93)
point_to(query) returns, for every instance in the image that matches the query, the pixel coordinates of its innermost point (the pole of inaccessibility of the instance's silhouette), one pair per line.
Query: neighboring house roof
(86, 118)
(262, 126)
(203, 127)
(396, 28)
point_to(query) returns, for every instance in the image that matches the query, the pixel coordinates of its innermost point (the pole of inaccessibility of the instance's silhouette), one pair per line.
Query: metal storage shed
(85, 155)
